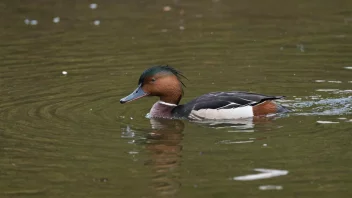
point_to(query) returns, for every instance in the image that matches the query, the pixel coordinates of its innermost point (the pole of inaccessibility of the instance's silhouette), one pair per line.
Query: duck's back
(228, 105)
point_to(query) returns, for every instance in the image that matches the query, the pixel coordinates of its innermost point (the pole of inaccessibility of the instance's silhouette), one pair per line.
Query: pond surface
(64, 67)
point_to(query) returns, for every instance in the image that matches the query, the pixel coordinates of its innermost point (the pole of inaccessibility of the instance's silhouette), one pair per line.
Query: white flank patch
(265, 174)
(222, 114)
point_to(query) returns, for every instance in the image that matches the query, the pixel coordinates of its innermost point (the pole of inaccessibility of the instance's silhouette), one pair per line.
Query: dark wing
(223, 100)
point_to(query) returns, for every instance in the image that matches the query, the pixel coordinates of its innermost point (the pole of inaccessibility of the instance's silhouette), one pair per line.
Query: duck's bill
(136, 94)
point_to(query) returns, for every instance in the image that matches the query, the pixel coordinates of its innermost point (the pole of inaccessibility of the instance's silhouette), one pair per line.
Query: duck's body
(164, 81)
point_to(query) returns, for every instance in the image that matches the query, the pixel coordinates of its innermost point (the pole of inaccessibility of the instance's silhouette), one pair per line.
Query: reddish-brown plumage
(264, 108)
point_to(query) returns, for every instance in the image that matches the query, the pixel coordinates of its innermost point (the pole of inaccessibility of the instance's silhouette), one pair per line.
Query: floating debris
(166, 8)
(264, 174)
(64, 72)
(300, 47)
(93, 6)
(96, 22)
(56, 19)
(270, 187)
(326, 122)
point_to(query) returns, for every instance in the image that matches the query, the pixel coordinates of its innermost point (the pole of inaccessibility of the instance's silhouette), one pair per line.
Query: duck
(165, 82)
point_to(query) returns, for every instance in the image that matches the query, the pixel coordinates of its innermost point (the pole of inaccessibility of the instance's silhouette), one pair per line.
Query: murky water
(65, 65)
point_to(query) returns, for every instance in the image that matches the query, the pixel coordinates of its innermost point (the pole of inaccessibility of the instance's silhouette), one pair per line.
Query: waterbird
(166, 83)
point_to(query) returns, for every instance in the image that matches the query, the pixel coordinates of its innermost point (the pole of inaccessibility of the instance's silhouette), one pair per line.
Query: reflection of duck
(164, 81)
(165, 151)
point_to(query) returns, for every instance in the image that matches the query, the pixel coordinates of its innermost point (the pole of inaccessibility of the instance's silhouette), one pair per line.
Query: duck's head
(162, 81)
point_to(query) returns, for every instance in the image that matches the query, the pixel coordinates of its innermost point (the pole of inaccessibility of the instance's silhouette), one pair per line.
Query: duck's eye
(153, 80)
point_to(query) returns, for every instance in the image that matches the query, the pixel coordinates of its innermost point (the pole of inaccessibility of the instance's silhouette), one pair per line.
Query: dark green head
(165, 69)
(162, 81)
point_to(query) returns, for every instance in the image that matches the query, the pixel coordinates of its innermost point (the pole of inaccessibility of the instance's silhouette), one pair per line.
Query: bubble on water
(64, 72)
(93, 6)
(56, 19)
(96, 22)
(265, 145)
(131, 118)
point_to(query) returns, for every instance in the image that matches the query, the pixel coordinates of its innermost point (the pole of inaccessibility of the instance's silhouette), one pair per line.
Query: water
(64, 133)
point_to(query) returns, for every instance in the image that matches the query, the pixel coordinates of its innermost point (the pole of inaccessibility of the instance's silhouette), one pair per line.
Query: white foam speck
(64, 72)
(327, 90)
(334, 81)
(348, 67)
(235, 142)
(265, 145)
(166, 8)
(34, 22)
(320, 81)
(56, 19)
(342, 118)
(264, 174)
(93, 6)
(270, 187)
(182, 27)
(27, 21)
(326, 122)
(96, 22)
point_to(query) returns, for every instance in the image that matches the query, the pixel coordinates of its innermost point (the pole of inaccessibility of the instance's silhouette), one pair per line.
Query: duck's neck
(162, 110)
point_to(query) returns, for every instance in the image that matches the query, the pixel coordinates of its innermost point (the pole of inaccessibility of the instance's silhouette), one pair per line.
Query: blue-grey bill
(136, 94)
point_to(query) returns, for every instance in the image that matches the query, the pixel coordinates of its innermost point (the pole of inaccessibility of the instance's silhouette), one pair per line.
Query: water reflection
(165, 148)
(238, 125)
